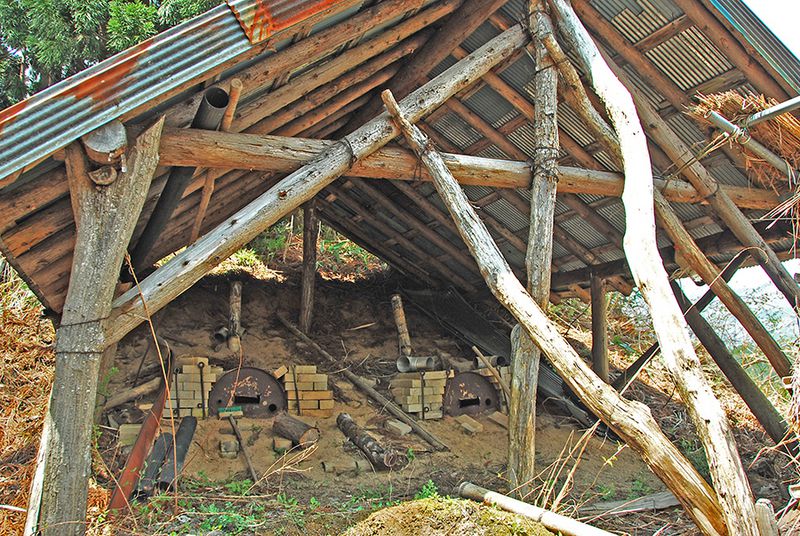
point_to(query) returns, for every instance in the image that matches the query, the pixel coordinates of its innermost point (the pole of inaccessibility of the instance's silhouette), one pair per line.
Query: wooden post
(310, 233)
(105, 221)
(631, 420)
(727, 471)
(710, 274)
(235, 318)
(525, 355)
(599, 329)
(191, 264)
(760, 406)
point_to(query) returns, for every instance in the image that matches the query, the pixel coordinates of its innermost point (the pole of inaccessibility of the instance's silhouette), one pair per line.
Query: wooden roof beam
(457, 27)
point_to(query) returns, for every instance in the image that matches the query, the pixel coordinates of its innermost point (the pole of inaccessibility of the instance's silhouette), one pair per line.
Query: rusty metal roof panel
(36, 127)
(261, 19)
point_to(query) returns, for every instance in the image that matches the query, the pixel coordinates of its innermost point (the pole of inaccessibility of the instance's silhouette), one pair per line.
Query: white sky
(782, 17)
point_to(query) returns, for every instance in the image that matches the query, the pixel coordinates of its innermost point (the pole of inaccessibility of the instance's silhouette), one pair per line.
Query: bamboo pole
(730, 480)
(188, 266)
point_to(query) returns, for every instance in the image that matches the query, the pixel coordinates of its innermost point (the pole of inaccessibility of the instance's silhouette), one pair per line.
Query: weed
(639, 488)
(239, 487)
(246, 258)
(410, 455)
(694, 452)
(427, 491)
(606, 491)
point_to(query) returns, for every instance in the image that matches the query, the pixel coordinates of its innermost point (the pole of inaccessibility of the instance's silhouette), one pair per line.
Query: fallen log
(301, 434)
(379, 457)
(384, 402)
(133, 393)
(631, 420)
(551, 520)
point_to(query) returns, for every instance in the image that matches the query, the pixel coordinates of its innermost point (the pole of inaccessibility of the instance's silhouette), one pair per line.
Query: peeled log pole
(599, 331)
(301, 434)
(525, 355)
(379, 457)
(385, 403)
(698, 261)
(630, 420)
(551, 520)
(187, 267)
(730, 480)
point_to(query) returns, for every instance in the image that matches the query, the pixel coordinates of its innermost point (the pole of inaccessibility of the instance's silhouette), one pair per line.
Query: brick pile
(505, 374)
(189, 397)
(308, 388)
(415, 392)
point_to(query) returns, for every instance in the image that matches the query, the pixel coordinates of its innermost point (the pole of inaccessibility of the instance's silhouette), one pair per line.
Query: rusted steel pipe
(209, 114)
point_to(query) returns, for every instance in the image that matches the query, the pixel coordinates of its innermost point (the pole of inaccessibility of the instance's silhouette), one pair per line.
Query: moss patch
(440, 516)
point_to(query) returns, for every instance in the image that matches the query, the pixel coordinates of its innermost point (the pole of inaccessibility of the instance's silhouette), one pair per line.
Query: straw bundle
(780, 134)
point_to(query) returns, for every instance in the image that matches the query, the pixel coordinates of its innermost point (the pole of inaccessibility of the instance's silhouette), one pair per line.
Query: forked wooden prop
(629, 419)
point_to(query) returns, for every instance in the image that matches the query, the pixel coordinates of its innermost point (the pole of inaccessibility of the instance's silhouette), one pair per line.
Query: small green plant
(313, 503)
(246, 258)
(292, 510)
(427, 491)
(410, 455)
(239, 487)
(606, 491)
(639, 488)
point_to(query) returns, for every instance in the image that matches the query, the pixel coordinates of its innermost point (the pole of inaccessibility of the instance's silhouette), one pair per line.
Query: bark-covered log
(310, 232)
(379, 457)
(235, 319)
(301, 434)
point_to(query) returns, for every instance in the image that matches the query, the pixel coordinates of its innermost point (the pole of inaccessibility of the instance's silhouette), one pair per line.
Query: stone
(469, 424)
(397, 427)
(229, 446)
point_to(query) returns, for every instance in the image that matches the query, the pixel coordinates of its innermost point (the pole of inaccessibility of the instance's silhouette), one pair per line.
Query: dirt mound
(440, 516)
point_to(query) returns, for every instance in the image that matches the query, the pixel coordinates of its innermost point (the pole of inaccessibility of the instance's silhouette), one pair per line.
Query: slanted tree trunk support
(105, 219)
(631, 420)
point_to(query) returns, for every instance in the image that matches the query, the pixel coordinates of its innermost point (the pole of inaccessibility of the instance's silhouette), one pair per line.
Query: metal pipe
(770, 113)
(152, 465)
(174, 459)
(742, 136)
(208, 116)
(414, 363)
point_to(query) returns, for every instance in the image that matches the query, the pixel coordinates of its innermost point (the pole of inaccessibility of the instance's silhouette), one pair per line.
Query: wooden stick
(188, 266)
(243, 446)
(310, 232)
(384, 402)
(234, 93)
(631, 420)
(698, 261)
(555, 522)
(599, 329)
(235, 320)
(133, 393)
(381, 458)
(733, 491)
(500, 381)
(223, 150)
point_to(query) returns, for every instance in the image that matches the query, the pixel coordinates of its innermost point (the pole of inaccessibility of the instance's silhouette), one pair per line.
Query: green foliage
(639, 488)
(130, 23)
(45, 41)
(246, 257)
(427, 491)
(239, 487)
(606, 491)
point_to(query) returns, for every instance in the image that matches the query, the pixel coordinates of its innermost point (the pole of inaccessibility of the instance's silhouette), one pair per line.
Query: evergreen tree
(44, 41)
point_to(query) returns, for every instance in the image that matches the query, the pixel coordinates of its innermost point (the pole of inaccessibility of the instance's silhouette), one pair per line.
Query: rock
(469, 424)
(397, 427)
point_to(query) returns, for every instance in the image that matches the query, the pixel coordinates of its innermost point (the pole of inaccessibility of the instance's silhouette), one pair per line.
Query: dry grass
(26, 373)
(781, 135)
